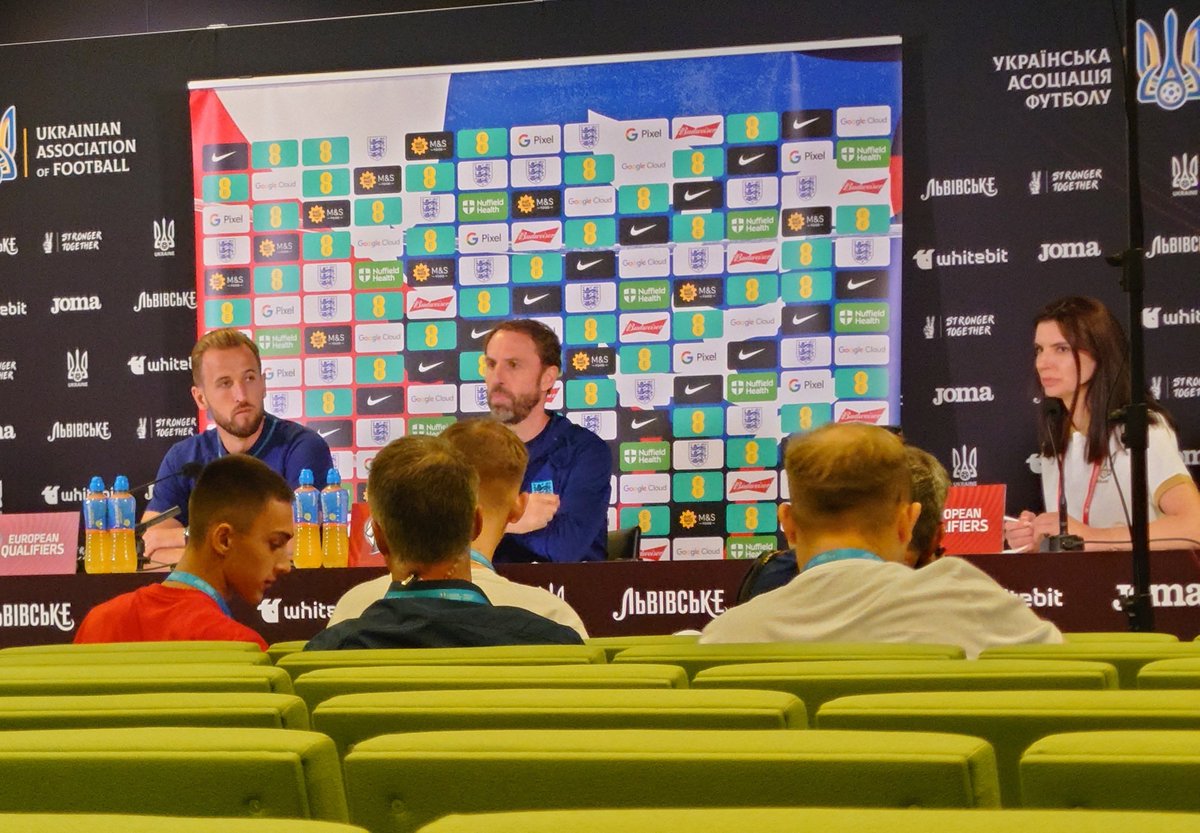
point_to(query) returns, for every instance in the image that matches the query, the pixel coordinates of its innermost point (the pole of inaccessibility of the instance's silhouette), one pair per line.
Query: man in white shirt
(500, 459)
(850, 521)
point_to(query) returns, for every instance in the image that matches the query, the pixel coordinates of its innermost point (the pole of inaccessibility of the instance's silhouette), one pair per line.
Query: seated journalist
(499, 458)
(850, 521)
(424, 512)
(239, 542)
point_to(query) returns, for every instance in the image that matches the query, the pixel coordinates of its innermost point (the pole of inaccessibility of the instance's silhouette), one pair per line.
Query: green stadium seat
(272, 773)
(282, 649)
(131, 678)
(109, 647)
(1012, 720)
(137, 657)
(112, 823)
(695, 658)
(178, 708)
(820, 681)
(352, 718)
(318, 686)
(826, 820)
(1146, 770)
(1127, 657)
(613, 645)
(1119, 636)
(1170, 673)
(305, 661)
(398, 782)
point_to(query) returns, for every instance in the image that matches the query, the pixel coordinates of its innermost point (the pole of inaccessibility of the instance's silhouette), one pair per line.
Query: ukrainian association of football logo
(1166, 76)
(8, 144)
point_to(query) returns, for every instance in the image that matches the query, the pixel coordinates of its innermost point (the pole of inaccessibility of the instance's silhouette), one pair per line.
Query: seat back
(318, 686)
(1114, 771)
(614, 645)
(1170, 673)
(389, 778)
(1127, 657)
(1012, 720)
(179, 708)
(695, 657)
(281, 649)
(352, 718)
(1118, 636)
(305, 661)
(118, 823)
(131, 678)
(827, 820)
(278, 773)
(133, 647)
(817, 682)
(137, 657)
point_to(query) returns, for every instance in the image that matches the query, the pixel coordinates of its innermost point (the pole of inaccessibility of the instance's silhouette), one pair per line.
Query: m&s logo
(1168, 76)
(8, 144)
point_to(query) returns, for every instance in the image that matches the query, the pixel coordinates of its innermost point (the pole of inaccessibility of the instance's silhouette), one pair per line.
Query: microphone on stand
(1053, 412)
(190, 470)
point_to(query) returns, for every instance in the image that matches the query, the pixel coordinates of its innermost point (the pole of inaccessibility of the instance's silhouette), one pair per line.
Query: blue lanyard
(844, 554)
(203, 586)
(455, 594)
(481, 561)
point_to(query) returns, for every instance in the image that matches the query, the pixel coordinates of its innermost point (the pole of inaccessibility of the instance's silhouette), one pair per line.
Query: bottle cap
(306, 477)
(333, 477)
(96, 484)
(121, 483)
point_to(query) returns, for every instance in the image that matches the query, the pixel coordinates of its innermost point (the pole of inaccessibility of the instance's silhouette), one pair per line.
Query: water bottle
(121, 511)
(335, 522)
(96, 546)
(308, 522)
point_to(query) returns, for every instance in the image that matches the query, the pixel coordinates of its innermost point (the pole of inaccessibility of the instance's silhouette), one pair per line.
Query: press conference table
(1077, 591)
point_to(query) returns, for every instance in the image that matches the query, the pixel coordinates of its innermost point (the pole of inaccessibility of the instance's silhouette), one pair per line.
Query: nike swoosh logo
(329, 433)
(479, 333)
(688, 196)
(637, 232)
(533, 300)
(743, 355)
(797, 320)
(797, 125)
(641, 423)
(742, 160)
(373, 400)
(582, 266)
(689, 390)
(425, 368)
(852, 285)
(217, 158)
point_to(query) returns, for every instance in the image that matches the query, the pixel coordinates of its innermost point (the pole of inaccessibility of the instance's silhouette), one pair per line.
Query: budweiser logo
(872, 187)
(653, 553)
(543, 236)
(760, 258)
(652, 327)
(439, 304)
(760, 486)
(870, 417)
(705, 130)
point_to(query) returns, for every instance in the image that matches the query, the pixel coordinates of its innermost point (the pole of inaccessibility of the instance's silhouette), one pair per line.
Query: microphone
(1053, 412)
(190, 470)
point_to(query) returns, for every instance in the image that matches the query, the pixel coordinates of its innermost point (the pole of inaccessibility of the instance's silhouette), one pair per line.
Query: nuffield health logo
(1167, 75)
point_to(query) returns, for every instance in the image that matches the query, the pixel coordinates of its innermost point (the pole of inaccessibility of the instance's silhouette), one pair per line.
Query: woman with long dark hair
(1081, 357)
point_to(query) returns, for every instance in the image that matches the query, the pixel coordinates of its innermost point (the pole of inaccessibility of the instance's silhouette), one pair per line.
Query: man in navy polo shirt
(228, 383)
(570, 469)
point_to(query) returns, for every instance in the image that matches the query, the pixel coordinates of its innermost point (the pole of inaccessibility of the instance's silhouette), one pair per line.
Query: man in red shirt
(240, 531)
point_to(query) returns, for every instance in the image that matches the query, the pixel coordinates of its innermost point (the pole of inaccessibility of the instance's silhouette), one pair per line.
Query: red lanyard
(1091, 493)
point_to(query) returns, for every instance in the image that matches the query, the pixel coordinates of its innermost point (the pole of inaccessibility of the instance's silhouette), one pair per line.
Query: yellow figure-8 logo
(327, 403)
(431, 335)
(227, 313)
(644, 359)
(644, 520)
(536, 268)
(277, 279)
(860, 382)
(697, 481)
(806, 416)
(378, 307)
(589, 329)
(697, 422)
(326, 245)
(591, 393)
(751, 517)
(274, 154)
(485, 301)
(326, 182)
(751, 453)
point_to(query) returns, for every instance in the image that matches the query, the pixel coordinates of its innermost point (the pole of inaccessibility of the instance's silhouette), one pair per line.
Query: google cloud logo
(631, 134)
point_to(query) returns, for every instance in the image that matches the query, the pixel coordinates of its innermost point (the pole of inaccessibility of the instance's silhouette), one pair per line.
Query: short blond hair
(495, 452)
(224, 339)
(847, 476)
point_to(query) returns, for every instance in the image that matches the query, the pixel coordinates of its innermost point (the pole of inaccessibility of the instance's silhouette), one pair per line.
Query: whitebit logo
(53, 495)
(1034, 461)
(1166, 77)
(269, 608)
(1154, 317)
(77, 369)
(965, 464)
(137, 364)
(8, 144)
(924, 259)
(164, 238)
(1150, 317)
(1185, 175)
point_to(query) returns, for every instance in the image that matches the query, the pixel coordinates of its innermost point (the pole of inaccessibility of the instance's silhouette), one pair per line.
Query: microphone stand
(1063, 541)
(1138, 607)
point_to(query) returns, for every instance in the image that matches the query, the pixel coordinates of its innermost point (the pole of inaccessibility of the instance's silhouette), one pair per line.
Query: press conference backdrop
(1014, 186)
(719, 259)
